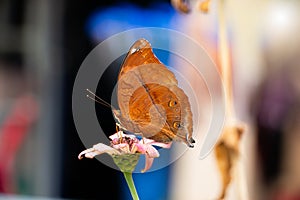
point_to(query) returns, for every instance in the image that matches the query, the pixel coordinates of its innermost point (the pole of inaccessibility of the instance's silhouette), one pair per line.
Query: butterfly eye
(176, 125)
(172, 103)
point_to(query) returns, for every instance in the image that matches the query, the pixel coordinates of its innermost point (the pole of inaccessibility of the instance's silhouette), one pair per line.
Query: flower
(125, 150)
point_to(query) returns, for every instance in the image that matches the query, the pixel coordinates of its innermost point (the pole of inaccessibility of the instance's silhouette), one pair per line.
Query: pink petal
(159, 144)
(120, 146)
(130, 136)
(148, 163)
(125, 149)
(97, 150)
(117, 135)
(152, 152)
(120, 134)
(142, 148)
(147, 141)
(134, 148)
(83, 153)
(163, 145)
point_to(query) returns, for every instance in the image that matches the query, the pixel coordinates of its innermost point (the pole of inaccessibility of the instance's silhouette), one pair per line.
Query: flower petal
(134, 148)
(163, 145)
(141, 148)
(97, 150)
(120, 134)
(159, 144)
(117, 135)
(152, 152)
(148, 163)
(120, 146)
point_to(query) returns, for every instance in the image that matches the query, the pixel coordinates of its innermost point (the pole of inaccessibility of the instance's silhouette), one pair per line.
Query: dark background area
(83, 179)
(64, 42)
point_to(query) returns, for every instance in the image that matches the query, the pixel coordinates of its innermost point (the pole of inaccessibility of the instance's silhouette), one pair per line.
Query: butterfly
(150, 100)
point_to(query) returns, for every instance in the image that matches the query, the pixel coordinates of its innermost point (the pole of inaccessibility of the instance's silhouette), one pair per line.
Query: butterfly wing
(150, 101)
(140, 53)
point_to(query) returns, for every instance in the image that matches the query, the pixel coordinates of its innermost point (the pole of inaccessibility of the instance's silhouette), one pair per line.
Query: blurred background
(42, 45)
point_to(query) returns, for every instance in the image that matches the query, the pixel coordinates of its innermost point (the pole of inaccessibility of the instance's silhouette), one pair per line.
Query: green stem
(130, 183)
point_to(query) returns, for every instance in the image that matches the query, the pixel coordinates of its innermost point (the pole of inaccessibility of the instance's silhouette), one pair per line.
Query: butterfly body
(150, 100)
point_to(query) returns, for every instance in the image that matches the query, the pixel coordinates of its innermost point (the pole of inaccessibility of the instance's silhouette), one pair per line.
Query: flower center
(125, 140)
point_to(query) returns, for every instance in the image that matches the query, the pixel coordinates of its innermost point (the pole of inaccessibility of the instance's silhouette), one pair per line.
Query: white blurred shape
(281, 17)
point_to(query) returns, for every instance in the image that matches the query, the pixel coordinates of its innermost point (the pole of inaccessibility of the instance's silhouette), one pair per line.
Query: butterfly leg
(117, 127)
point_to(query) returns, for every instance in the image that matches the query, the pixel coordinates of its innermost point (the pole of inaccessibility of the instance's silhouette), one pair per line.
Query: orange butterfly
(150, 101)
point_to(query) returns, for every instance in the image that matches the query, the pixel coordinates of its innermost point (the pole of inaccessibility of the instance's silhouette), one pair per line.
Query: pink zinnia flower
(123, 145)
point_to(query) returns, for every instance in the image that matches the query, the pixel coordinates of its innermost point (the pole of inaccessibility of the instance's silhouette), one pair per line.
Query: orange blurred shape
(204, 6)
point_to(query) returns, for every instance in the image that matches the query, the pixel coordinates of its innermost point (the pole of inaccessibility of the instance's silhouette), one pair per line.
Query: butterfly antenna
(97, 99)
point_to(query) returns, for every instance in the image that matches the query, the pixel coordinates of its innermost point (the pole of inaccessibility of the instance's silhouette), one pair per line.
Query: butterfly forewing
(139, 54)
(150, 101)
